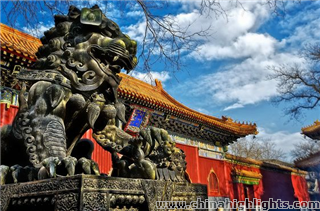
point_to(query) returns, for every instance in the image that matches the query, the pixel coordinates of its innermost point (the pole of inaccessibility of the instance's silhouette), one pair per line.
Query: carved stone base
(88, 192)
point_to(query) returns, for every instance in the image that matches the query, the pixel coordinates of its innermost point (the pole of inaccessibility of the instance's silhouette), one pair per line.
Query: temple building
(311, 162)
(203, 138)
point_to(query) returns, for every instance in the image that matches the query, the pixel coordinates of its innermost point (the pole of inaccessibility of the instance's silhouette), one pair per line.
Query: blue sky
(227, 74)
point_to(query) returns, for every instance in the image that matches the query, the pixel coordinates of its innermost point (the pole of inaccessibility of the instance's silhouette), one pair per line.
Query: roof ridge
(160, 89)
(265, 164)
(310, 127)
(19, 33)
(145, 84)
(19, 43)
(176, 105)
(221, 120)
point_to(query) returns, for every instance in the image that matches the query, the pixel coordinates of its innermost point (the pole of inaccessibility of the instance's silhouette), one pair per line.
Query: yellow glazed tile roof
(310, 160)
(21, 43)
(155, 95)
(313, 132)
(312, 129)
(18, 43)
(245, 173)
(262, 164)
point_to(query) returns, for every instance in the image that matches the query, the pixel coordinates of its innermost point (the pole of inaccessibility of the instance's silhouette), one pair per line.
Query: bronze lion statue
(73, 88)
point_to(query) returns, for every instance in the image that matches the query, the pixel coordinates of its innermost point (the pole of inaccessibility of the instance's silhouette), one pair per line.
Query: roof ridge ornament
(158, 84)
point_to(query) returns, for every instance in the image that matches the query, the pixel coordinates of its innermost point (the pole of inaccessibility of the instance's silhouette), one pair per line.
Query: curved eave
(312, 131)
(264, 164)
(154, 96)
(312, 160)
(245, 173)
(18, 43)
(18, 54)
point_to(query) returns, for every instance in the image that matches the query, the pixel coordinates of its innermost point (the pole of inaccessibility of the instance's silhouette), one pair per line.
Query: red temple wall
(192, 159)
(7, 114)
(218, 166)
(199, 168)
(236, 190)
(300, 188)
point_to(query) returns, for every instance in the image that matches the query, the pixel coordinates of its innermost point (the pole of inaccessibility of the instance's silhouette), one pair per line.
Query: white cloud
(38, 29)
(136, 13)
(151, 76)
(231, 37)
(237, 38)
(202, 110)
(224, 30)
(234, 106)
(247, 45)
(305, 33)
(239, 84)
(245, 80)
(112, 9)
(136, 31)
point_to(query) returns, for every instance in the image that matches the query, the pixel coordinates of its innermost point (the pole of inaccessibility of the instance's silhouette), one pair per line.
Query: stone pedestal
(88, 192)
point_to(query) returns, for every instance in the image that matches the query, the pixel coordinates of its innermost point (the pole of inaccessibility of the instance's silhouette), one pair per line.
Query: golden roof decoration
(312, 131)
(155, 95)
(311, 128)
(18, 43)
(245, 173)
(264, 164)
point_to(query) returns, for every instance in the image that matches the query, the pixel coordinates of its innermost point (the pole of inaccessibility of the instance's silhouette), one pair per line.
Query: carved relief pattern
(170, 187)
(6, 193)
(67, 202)
(160, 190)
(152, 192)
(193, 188)
(45, 75)
(95, 201)
(66, 192)
(112, 184)
(189, 130)
(69, 184)
(55, 139)
(39, 187)
(52, 185)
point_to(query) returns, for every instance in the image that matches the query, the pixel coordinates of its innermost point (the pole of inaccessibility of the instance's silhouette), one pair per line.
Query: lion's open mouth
(114, 54)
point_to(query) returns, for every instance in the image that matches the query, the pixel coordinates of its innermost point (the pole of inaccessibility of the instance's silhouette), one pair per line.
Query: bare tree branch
(259, 149)
(164, 39)
(299, 86)
(305, 148)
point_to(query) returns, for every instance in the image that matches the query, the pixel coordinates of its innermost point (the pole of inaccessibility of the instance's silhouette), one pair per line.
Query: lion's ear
(55, 94)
